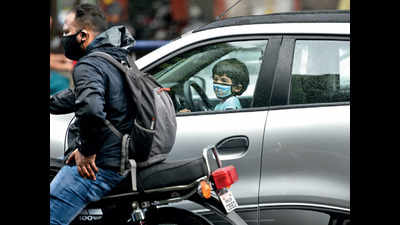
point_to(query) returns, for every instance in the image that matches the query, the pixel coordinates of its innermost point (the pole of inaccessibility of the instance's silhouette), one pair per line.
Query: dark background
(25, 140)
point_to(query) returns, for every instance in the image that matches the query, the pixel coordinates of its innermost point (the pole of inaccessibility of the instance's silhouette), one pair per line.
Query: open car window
(189, 75)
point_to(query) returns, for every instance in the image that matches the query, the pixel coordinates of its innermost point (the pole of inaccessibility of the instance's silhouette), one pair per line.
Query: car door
(306, 152)
(199, 125)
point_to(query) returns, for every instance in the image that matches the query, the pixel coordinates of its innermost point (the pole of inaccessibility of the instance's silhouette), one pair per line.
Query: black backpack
(154, 128)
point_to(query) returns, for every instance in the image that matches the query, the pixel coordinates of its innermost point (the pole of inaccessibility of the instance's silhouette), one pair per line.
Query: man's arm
(63, 102)
(89, 103)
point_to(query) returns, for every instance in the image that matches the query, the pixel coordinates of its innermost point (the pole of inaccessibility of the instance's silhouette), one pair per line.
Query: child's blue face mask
(222, 90)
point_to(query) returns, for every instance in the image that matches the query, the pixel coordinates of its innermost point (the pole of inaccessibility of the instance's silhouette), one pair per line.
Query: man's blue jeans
(70, 193)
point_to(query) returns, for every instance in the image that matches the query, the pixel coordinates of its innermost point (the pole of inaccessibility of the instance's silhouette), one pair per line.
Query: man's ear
(84, 35)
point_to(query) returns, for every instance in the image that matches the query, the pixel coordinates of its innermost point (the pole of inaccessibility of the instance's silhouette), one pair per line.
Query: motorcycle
(202, 180)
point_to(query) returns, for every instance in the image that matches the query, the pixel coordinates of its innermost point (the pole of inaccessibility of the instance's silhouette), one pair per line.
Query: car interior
(190, 75)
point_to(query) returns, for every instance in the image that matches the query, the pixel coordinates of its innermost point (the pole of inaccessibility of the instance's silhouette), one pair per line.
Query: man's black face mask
(72, 49)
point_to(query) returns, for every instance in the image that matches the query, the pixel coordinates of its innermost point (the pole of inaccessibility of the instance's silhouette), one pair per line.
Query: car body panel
(58, 129)
(306, 156)
(211, 129)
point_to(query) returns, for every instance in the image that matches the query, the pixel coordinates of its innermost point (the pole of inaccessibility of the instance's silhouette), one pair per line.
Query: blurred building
(167, 19)
(154, 22)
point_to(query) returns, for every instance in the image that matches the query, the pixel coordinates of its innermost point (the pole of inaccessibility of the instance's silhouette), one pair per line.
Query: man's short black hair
(234, 69)
(90, 16)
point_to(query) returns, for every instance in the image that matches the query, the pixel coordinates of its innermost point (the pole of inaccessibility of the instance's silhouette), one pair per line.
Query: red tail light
(224, 177)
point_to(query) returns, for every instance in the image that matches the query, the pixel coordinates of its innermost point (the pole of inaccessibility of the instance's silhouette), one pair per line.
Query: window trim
(332, 211)
(283, 73)
(266, 74)
(305, 206)
(309, 105)
(336, 214)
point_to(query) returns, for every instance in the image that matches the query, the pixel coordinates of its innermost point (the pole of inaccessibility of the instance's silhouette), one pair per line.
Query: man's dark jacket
(100, 93)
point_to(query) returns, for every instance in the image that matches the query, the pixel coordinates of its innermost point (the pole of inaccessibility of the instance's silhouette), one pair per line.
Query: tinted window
(249, 216)
(190, 74)
(320, 72)
(293, 217)
(285, 217)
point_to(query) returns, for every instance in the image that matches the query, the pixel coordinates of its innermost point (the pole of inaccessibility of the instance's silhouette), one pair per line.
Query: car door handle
(233, 147)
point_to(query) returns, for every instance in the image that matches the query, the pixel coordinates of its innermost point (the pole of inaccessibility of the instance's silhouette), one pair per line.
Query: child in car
(230, 79)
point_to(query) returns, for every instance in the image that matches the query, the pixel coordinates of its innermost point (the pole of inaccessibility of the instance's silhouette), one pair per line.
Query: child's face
(225, 81)
(222, 79)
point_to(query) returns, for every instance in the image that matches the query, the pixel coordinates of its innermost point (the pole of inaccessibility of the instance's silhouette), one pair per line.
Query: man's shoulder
(94, 63)
(90, 60)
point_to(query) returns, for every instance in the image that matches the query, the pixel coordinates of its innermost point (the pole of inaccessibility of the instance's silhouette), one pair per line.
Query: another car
(290, 142)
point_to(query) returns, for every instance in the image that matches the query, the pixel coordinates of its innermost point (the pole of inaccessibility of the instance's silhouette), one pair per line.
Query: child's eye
(225, 80)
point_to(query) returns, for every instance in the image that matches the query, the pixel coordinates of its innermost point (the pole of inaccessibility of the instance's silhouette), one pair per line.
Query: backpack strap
(111, 59)
(119, 65)
(130, 62)
(112, 128)
(124, 147)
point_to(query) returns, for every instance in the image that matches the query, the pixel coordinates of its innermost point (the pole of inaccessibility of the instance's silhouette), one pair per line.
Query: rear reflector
(205, 189)
(225, 177)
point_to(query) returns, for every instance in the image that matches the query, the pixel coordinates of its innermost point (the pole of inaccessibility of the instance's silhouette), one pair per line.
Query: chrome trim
(288, 204)
(239, 207)
(214, 151)
(216, 155)
(200, 210)
(304, 204)
(205, 157)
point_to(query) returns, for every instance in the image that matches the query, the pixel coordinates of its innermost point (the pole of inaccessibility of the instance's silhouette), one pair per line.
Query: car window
(300, 217)
(286, 217)
(189, 75)
(320, 72)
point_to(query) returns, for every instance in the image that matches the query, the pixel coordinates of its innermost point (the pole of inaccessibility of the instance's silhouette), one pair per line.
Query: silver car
(290, 140)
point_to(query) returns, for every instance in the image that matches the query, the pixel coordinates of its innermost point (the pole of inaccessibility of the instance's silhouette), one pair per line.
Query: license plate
(228, 200)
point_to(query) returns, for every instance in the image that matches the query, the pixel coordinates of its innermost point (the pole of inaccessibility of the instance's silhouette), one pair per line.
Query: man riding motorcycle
(89, 188)
(99, 93)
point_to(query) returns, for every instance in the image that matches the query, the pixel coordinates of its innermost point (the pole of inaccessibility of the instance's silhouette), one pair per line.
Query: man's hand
(86, 165)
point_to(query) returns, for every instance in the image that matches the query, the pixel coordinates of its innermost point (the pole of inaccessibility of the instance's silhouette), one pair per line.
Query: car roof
(328, 22)
(315, 16)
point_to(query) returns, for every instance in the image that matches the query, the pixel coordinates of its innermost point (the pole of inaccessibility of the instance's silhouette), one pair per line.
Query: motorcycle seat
(172, 173)
(164, 174)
